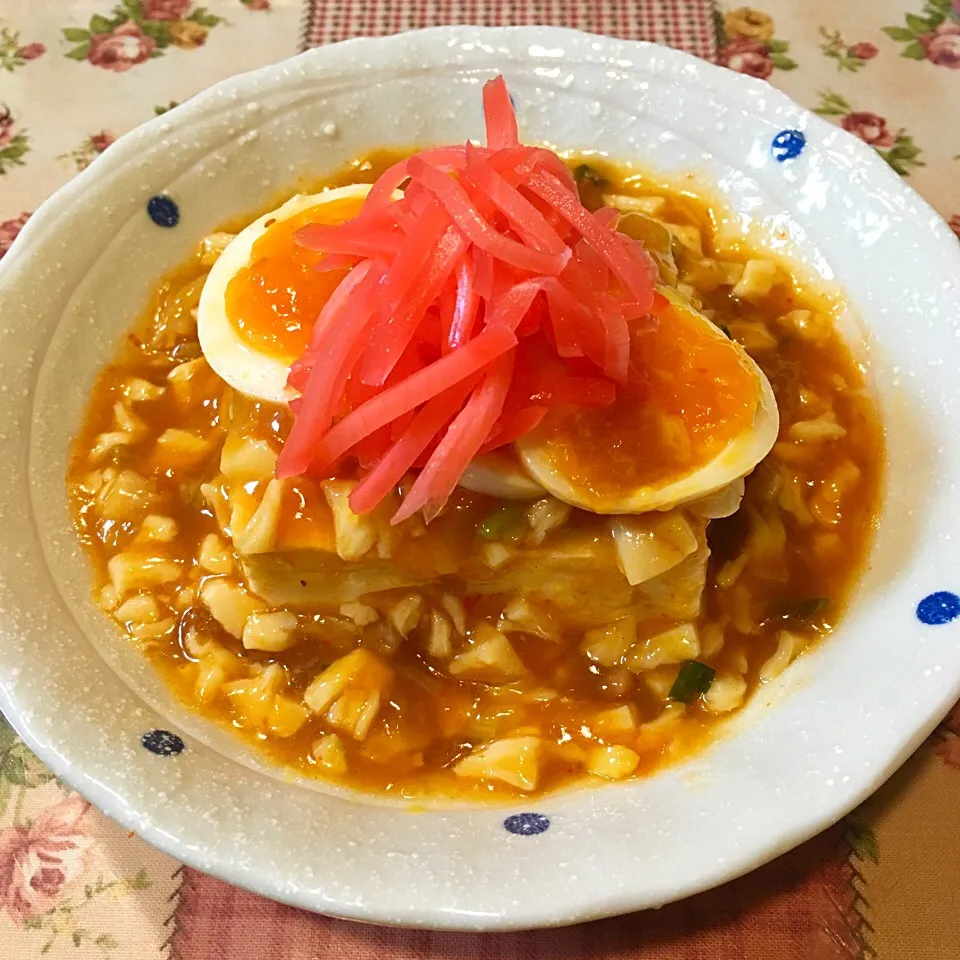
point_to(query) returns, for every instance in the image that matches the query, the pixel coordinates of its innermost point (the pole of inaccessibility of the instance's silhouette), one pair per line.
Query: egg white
(499, 475)
(233, 359)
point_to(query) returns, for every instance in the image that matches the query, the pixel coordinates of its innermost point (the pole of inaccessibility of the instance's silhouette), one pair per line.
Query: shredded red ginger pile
(484, 296)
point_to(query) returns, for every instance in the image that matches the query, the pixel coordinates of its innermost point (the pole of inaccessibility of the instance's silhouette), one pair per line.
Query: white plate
(796, 759)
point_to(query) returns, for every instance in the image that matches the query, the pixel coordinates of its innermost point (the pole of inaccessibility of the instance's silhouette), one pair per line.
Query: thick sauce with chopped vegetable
(498, 650)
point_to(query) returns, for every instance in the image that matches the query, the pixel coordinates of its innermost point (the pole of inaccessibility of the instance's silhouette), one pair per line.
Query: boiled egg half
(699, 416)
(263, 294)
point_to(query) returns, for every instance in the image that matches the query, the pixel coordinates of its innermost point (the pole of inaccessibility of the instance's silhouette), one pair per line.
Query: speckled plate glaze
(796, 759)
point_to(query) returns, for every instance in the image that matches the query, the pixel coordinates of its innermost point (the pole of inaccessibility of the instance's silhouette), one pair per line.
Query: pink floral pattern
(100, 141)
(746, 44)
(863, 50)
(91, 148)
(932, 35)
(165, 9)
(942, 46)
(120, 49)
(14, 143)
(850, 58)
(746, 56)
(14, 53)
(10, 229)
(6, 127)
(37, 862)
(140, 30)
(45, 854)
(897, 148)
(869, 127)
(954, 224)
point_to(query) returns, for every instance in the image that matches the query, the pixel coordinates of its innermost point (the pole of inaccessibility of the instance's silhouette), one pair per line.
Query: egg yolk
(274, 301)
(691, 393)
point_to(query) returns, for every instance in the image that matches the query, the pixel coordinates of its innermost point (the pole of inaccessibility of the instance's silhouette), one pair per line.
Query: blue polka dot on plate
(163, 743)
(938, 608)
(163, 210)
(787, 144)
(526, 824)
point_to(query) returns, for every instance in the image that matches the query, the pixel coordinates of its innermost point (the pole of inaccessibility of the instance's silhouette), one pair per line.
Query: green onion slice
(693, 679)
(805, 609)
(586, 172)
(501, 522)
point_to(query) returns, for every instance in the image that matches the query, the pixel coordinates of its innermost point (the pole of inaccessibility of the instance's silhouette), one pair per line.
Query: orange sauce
(788, 559)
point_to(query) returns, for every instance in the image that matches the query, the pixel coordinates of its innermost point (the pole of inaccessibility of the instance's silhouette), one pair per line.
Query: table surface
(74, 75)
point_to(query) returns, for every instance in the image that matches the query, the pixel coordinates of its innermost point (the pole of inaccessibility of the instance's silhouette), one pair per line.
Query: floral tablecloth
(74, 75)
